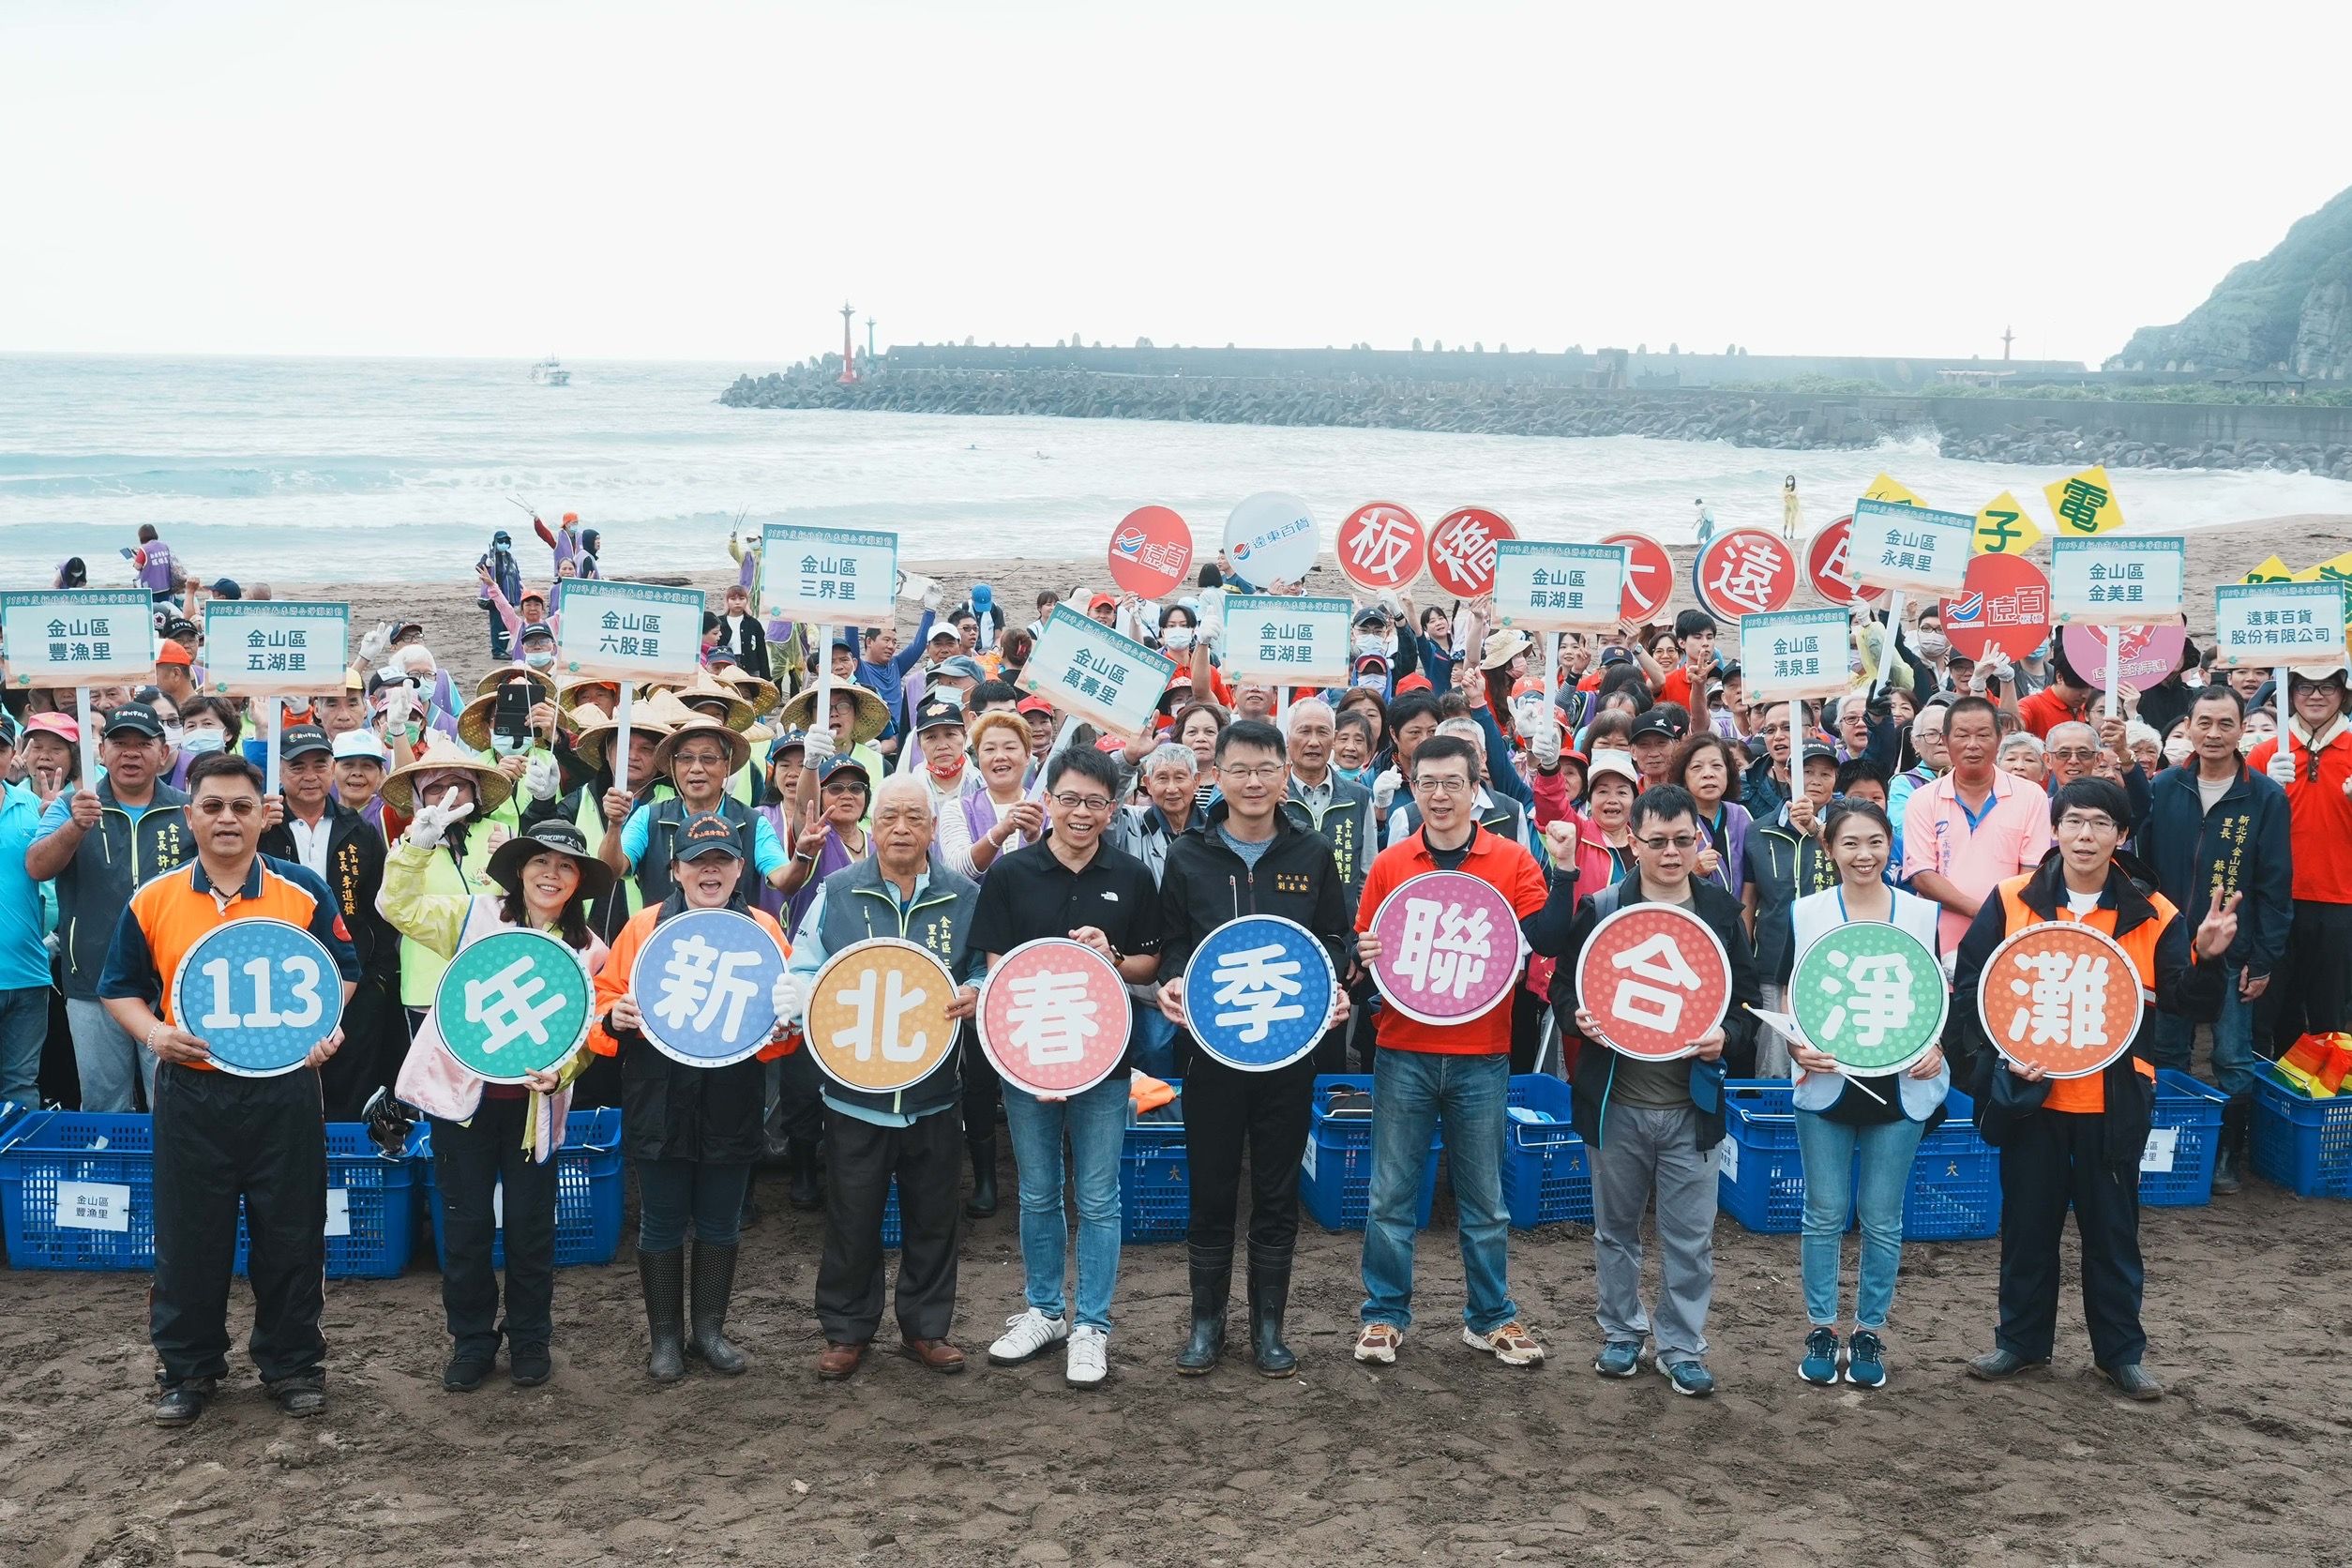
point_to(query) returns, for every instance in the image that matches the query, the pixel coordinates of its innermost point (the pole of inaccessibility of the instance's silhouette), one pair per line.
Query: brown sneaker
(937, 1354)
(1378, 1342)
(840, 1361)
(1510, 1344)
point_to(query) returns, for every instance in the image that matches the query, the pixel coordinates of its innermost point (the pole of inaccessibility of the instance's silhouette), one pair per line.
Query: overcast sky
(683, 181)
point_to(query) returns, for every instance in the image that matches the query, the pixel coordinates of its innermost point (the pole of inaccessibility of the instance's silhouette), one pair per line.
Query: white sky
(678, 180)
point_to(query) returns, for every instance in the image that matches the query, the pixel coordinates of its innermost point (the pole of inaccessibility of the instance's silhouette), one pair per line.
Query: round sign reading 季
(1747, 571)
(1381, 546)
(705, 984)
(1053, 1018)
(878, 1014)
(2003, 606)
(2145, 656)
(1657, 978)
(513, 1003)
(261, 993)
(1871, 995)
(2062, 996)
(1826, 566)
(1270, 538)
(1257, 992)
(1151, 550)
(1649, 574)
(1449, 947)
(1462, 550)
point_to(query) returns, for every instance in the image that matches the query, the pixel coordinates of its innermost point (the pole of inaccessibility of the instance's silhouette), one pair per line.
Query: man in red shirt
(1459, 1071)
(2313, 762)
(2066, 698)
(1685, 684)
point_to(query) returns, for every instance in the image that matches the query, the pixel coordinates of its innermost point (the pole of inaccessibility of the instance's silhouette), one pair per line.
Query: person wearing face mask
(500, 573)
(538, 642)
(207, 724)
(1180, 628)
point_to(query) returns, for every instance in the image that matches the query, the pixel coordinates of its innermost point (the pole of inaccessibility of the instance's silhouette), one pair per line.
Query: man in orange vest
(2078, 1140)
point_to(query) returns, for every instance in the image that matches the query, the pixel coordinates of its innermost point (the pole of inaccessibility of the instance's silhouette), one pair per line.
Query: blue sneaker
(1689, 1377)
(1820, 1363)
(1866, 1360)
(1619, 1358)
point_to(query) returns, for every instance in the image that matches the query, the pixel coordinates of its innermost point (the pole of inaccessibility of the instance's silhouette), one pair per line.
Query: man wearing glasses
(2313, 763)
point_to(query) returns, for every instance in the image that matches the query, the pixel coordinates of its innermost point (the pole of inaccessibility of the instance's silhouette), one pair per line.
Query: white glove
(540, 778)
(787, 999)
(1384, 789)
(377, 643)
(431, 822)
(932, 597)
(1543, 739)
(2281, 768)
(818, 747)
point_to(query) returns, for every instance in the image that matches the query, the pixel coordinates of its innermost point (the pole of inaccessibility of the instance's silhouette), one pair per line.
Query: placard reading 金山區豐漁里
(274, 647)
(1541, 585)
(1895, 546)
(829, 576)
(630, 631)
(1084, 667)
(2272, 624)
(1794, 653)
(2117, 579)
(1287, 638)
(80, 636)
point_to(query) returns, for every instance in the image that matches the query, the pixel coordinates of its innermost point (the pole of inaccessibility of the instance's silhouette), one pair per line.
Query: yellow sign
(2002, 528)
(1887, 488)
(2338, 571)
(2273, 570)
(2084, 505)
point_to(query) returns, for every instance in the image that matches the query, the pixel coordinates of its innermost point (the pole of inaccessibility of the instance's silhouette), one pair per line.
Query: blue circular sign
(1257, 992)
(261, 993)
(704, 984)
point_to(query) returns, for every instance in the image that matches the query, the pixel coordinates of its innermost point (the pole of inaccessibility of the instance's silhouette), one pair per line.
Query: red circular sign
(1381, 546)
(2062, 996)
(1656, 977)
(1649, 574)
(1748, 571)
(1826, 565)
(2145, 656)
(1053, 1018)
(2003, 606)
(1151, 550)
(1462, 550)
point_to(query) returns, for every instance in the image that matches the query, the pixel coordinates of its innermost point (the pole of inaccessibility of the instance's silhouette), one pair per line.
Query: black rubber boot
(808, 1192)
(663, 1275)
(1211, 1284)
(2229, 1160)
(714, 1285)
(1268, 1299)
(982, 1203)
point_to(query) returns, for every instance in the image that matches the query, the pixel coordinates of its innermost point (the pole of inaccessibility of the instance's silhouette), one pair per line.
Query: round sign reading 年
(513, 1003)
(2062, 996)
(1381, 546)
(1871, 995)
(1151, 550)
(1649, 574)
(705, 984)
(1256, 991)
(1449, 947)
(1462, 550)
(878, 1014)
(1053, 1018)
(1657, 977)
(1271, 538)
(261, 993)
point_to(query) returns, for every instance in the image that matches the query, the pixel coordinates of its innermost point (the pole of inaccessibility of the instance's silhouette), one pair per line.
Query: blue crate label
(2164, 1147)
(93, 1206)
(1531, 1117)
(1306, 1158)
(338, 1211)
(1729, 1149)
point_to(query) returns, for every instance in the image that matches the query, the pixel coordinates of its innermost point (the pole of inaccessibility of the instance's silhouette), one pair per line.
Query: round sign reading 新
(261, 993)
(1381, 546)
(1053, 1018)
(1656, 977)
(1257, 992)
(1151, 550)
(1871, 995)
(705, 984)
(878, 1014)
(2061, 995)
(1462, 550)
(1270, 538)
(1649, 574)
(1449, 947)
(513, 1003)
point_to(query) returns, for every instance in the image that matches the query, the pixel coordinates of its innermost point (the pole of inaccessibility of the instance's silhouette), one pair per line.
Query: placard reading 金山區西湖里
(2272, 624)
(1789, 655)
(1541, 585)
(1910, 547)
(1287, 638)
(274, 647)
(630, 631)
(1089, 671)
(829, 576)
(80, 637)
(2117, 579)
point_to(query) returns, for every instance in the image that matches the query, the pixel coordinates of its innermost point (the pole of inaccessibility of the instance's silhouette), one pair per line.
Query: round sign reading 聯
(1053, 1018)
(261, 993)
(1449, 947)
(1256, 991)
(2060, 995)
(878, 1014)
(1871, 995)
(513, 1003)
(1656, 977)
(705, 986)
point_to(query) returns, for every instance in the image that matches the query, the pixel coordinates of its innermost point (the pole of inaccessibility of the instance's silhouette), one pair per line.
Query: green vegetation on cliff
(2290, 311)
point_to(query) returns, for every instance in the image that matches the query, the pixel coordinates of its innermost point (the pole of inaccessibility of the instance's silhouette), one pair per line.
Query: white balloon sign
(1271, 538)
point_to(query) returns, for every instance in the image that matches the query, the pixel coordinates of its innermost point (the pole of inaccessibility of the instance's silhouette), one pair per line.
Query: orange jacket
(612, 980)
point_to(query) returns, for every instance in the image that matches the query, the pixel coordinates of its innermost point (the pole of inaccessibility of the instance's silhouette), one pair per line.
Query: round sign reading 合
(1449, 947)
(1257, 992)
(261, 993)
(705, 984)
(1053, 1018)
(1656, 977)
(513, 1003)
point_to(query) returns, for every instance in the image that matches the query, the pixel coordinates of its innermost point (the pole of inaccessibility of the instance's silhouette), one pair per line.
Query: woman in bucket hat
(443, 771)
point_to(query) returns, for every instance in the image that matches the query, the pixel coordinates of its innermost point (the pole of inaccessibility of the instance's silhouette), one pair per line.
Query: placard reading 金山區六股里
(828, 576)
(2272, 624)
(630, 631)
(78, 636)
(274, 647)
(2117, 579)
(1285, 639)
(1084, 667)
(1541, 585)
(1910, 547)
(1789, 655)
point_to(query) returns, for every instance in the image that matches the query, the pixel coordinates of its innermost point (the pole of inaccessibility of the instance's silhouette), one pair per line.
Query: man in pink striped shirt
(1966, 832)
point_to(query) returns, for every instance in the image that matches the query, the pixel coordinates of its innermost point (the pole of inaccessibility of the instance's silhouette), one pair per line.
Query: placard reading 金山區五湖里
(274, 647)
(1089, 671)
(1287, 638)
(630, 631)
(828, 576)
(1541, 585)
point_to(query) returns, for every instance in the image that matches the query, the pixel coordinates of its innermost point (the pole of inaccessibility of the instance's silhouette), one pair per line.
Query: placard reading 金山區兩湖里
(1541, 585)
(1287, 638)
(828, 576)
(1090, 671)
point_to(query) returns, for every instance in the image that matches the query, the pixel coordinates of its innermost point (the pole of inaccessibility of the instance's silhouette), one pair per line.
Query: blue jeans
(1411, 1090)
(114, 1067)
(670, 1193)
(1154, 1041)
(2233, 1040)
(1829, 1148)
(1097, 1123)
(24, 1028)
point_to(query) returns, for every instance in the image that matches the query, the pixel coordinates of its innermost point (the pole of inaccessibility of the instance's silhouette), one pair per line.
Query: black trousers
(2317, 995)
(375, 1043)
(1267, 1113)
(860, 1159)
(219, 1138)
(470, 1162)
(798, 1112)
(2053, 1159)
(1527, 1029)
(984, 1091)
(497, 632)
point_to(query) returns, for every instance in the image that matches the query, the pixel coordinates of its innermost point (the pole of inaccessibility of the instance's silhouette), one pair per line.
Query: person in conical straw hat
(583, 807)
(697, 758)
(762, 694)
(529, 760)
(858, 720)
(444, 774)
(505, 673)
(721, 700)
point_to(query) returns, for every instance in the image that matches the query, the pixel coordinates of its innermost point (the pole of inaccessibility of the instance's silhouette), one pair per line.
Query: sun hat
(507, 861)
(439, 754)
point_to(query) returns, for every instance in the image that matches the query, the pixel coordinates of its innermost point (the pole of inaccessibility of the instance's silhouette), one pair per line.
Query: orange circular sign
(2060, 996)
(878, 1016)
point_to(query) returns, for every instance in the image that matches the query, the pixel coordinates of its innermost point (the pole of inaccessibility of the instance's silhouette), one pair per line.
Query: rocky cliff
(2290, 311)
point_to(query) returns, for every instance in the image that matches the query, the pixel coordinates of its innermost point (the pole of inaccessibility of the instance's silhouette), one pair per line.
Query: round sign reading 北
(2061, 995)
(1256, 991)
(878, 1016)
(1053, 1018)
(261, 993)
(1449, 947)
(1656, 977)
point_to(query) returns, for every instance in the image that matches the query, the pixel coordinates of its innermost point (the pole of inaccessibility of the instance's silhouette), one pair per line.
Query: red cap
(1100, 601)
(570, 518)
(1415, 682)
(171, 652)
(1034, 705)
(1111, 743)
(60, 724)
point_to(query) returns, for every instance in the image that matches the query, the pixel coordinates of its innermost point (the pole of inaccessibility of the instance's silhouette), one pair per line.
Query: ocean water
(326, 469)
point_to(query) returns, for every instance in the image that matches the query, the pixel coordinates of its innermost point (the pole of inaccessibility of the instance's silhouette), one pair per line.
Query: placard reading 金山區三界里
(630, 631)
(830, 576)
(1541, 585)
(2272, 624)
(274, 647)
(1287, 638)
(80, 636)
(2117, 579)
(1084, 667)
(1794, 653)
(1901, 547)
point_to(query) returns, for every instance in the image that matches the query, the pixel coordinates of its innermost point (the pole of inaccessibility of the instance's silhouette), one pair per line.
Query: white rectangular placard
(77, 638)
(1084, 667)
(2271, 624)
(339, 1210)
(2116, 581)
(830, 576)
(1543, 586)
(274, 647)
(630, 631)
(2162, 1150)
(1910, 547)
(1286, 640)
(1795, 653)
(93, 1206)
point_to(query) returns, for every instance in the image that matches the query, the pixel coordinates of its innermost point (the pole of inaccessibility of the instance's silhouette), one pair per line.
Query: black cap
(1818, 753)
(300, 740)
(936, 712)
(1371, 615)
(537, 628)
(841, 761)
(708, 832)
(180, 626)
(507, 863)
(135, 719)
(226, 588)
(1656, 722)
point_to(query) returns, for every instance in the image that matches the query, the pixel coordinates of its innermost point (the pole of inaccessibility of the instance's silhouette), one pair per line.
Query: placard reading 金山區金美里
(1085, 669)
(1794, 653)
(1541, 585)
(830, 576)
(630, 631)
(2272, 624)
(274, 647)
(1910, 547)
(2117, 579)
(1285, 639)
(79, 637)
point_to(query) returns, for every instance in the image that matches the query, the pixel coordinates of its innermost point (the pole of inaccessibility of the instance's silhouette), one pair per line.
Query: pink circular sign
(1053, 1018)
(2146, 654)
(1449, 947)
(1656, 977)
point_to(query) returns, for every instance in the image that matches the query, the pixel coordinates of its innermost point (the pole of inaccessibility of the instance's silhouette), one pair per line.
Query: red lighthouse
(849, 349)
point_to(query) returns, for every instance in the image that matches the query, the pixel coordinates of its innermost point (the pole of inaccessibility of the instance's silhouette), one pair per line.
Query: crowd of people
(933, 801)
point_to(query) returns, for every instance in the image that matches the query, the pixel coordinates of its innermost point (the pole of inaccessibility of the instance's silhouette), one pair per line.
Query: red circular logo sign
(1747, 571)
(1462, 550)
(2062, 996)
(2003, 606)
(1826, 565)
(2145, 656)
(1380, 546)
(1053, 1017)
(1656, 977)
(1649, 574)
(1151, 550)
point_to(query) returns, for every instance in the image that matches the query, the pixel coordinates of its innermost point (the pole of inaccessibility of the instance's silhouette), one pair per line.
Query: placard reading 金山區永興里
(2117, 579)
(630, 631)
(80, 637)
(274, 647)
(1541, 585)
(1794, 653)
(1085, 669)
(829, 576)
(1287, 638)
(1910, 548)
(2272, 624)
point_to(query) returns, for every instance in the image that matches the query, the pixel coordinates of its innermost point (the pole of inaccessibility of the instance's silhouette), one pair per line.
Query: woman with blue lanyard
(1709, 768)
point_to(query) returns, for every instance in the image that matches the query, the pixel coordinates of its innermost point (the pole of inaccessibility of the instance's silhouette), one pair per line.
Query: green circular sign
(1870, 995)
(512, 1004)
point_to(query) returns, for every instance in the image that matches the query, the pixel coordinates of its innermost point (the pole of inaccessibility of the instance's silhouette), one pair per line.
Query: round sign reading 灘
(878, 1014)
(1657, 977)
(1649, 574)
(261, 993)
(1053, 1018)
(1381, 546)
(1151, 550)
(1449, 947)
(1462, 550)
(2062, 996)
(1257, 992)
(513, 1003)
(705, 986)
(1871, 995)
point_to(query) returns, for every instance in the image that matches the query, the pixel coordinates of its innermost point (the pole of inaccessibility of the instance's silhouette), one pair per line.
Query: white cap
(359, 742)
(1618, 762)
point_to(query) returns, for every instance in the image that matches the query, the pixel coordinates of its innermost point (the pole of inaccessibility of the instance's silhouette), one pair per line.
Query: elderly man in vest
(914, 1136)
(699, 755)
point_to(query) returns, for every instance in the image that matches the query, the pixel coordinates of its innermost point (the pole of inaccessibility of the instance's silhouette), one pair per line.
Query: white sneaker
(1025, 1336)
(1089, 1358)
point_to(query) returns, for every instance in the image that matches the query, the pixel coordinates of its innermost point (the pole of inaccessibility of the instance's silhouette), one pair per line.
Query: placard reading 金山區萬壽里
(1090, 671)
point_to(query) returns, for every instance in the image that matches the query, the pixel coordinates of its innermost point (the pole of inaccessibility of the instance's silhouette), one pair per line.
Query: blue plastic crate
(1760, 1177)
(1335, 1169)
(77, 1191)
(891, 1230)
(2305, 1145)
(2176, 1168)
(1155, 1176)
(587, 1192)
(1546, 1178)
(370, 1226)
(1956, 1190)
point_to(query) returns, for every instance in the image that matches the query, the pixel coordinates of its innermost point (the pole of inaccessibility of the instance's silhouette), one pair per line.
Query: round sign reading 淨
(513, 1003)
(1871, 995)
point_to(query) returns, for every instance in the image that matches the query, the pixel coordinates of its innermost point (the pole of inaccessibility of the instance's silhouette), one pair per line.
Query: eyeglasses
(1269, 772)
(702, 759)
(1443, 786)
(241, 806)
(1069, 801)
(2086, 821)
(1683, 841)
(2076, 753)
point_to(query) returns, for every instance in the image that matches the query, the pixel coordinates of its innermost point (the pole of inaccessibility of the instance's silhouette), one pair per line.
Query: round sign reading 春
(513, 1003)
(261, 993)
(1649, 574)
(2003, 606)
(1656, 977)
(1381, 546)
(1151, 550)
(878, 1014)
(1257, 992)
(1826, 565)
(1747, 571)
(705, 986)
(1053, 1018)
(1270, 538)
(1449, 947)
(1462, 550)
(2060, 996)
(2145, 655)
(1871, 995)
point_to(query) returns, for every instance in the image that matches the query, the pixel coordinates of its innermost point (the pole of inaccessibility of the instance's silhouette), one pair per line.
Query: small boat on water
(551, 372)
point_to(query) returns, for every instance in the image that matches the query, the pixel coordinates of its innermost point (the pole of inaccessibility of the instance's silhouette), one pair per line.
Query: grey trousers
(110, 1063)
(1772, 1048)
(1641, 1152)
